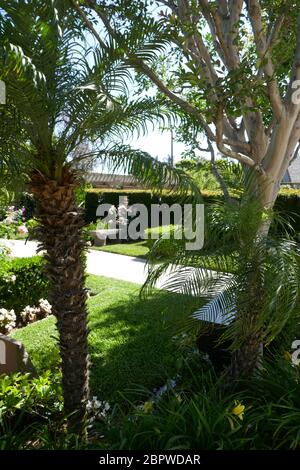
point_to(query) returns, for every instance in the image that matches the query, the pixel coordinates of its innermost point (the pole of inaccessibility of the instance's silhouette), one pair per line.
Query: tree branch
(185, 105)
(293, 107)
(216, 173)
(88, 23)
(219, 123)
(263, 51)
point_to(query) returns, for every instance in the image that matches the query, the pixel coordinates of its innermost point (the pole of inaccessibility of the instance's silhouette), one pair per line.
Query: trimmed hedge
(288, 204)
(288, 201)
(22, 283)
(94, 197)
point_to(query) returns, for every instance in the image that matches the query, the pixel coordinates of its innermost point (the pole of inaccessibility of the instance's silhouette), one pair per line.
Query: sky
(158, 144)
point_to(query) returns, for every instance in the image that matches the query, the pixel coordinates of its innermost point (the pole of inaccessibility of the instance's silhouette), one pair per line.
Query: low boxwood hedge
(22, 283)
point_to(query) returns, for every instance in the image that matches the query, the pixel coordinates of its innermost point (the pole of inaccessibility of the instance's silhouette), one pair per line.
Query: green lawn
(139, 249)
(130, 340)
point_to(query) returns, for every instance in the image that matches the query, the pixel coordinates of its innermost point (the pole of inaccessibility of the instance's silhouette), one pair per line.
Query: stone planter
(13, 357)
(100, 236)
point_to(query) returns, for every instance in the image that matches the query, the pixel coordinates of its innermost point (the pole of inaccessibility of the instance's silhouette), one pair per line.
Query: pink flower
(22, 230)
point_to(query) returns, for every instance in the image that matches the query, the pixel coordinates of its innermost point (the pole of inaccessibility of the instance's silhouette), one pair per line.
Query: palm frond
(221, 309)
(150, 171)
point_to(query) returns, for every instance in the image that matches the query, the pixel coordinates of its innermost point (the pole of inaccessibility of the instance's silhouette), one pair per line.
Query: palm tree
(251, 283)
(68, 97)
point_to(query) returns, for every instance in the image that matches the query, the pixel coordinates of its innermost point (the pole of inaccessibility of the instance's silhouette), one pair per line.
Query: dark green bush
(22, 283)
(27, 201)
(288, 205)
(91, 204)
(288, 201)
(94, 197)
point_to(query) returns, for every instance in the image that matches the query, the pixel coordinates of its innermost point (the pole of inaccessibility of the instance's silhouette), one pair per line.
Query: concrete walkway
(101, 263)
(20, 248)
(126, 268)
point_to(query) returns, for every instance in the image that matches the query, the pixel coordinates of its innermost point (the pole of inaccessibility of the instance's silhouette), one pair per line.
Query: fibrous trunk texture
(60, 236)
(246, 360)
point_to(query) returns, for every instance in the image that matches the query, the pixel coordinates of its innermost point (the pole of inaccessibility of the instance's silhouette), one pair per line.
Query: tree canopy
(233, 67)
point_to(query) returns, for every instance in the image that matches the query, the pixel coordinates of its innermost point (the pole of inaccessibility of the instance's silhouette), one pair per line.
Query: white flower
(29, 314)
(97, 409)
(13, 278)
(45, 306)
(7, 320)
(32, 314)
(9, 220)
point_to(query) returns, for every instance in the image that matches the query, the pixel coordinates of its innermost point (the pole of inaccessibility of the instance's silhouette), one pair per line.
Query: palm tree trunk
(247, 357)
(246, 360)
(249, 333)
(60, 236)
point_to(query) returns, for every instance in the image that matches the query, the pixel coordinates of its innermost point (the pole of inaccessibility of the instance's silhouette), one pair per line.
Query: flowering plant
(33, 314)
(97, 409)
(7, 321)
(22, 229)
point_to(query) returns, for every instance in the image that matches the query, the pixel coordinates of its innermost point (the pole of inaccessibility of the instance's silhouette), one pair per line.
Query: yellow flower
(287, 356)
(238, 410)
(148, 406)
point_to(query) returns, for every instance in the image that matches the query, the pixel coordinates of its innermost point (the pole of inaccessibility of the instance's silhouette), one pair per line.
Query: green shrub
(288, 201)
(8, 231)
(27, 201)
(26, 404)
(183, 418)
(80, 193)
(207, 412)
(32, 225)
(94, 197)
(17, 230)
(91, 204)
(4, 252)
(86, 232)
(162, 242)
(22, 283)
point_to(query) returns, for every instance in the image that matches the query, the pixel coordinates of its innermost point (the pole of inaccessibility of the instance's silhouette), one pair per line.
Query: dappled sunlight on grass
(130, 338)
